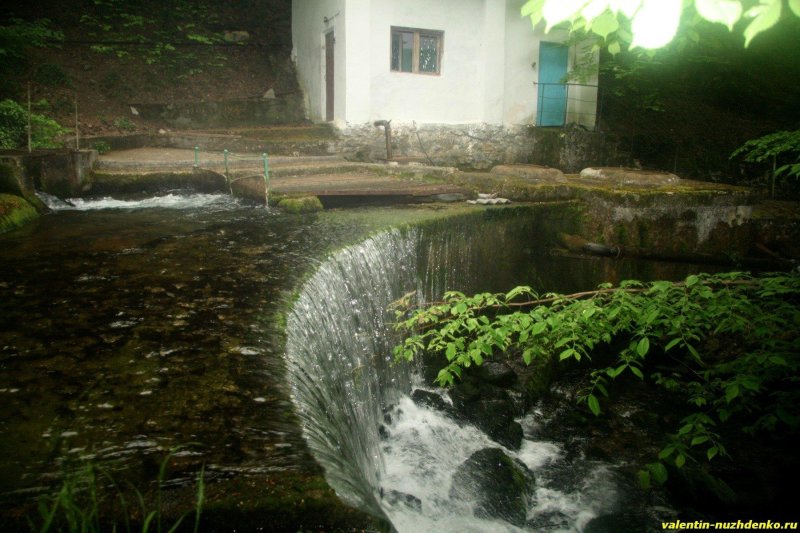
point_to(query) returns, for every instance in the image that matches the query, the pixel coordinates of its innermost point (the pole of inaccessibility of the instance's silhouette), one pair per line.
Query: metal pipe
(387, 129)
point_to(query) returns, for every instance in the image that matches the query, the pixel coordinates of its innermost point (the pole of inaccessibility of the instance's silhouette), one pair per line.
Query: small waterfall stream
(359, 421)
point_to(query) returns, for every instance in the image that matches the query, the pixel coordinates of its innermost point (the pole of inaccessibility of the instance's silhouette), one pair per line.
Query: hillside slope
(115, 54)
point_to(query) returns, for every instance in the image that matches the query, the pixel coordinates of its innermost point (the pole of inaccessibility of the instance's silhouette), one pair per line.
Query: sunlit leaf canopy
(651, 24)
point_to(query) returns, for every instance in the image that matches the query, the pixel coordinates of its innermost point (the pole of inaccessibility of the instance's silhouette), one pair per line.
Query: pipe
(387, 128)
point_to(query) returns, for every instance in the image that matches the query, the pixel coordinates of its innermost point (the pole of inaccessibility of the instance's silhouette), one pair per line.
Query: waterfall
(339, 356)
(353, 399)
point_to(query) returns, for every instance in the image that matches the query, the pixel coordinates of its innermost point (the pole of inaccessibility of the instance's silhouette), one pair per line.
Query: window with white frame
(417, 51)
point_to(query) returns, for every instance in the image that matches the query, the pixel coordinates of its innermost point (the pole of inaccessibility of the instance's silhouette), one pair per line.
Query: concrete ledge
(629, 176)
(531, 172)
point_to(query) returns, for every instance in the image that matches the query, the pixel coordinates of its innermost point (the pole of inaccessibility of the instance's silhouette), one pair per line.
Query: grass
(76, 507)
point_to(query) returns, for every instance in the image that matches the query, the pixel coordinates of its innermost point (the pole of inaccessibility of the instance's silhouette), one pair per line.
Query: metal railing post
(227, 175)
(266, 180)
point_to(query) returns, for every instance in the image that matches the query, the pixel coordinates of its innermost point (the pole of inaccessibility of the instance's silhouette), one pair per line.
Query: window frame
(415, 53)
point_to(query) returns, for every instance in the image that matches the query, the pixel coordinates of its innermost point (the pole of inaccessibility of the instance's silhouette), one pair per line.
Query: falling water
(358, 419)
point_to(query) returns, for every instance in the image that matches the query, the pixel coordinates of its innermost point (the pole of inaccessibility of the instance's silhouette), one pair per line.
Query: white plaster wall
(456, 96)
(522, 64)
(359, 52)
(308, 50)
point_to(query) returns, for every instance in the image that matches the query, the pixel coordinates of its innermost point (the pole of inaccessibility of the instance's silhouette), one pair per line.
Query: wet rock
(549, 521)
(501, 486)
(491, 409)
(497, 373)
(395, 497)
(432, 400)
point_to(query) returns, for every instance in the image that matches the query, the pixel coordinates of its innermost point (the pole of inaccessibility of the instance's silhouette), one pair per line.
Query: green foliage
(652, 24)
(124, 124)
(19, 35)
(78, 504)
(102, 147)
(125, 29)
(14, 128)
(781, 146)
(727, 346)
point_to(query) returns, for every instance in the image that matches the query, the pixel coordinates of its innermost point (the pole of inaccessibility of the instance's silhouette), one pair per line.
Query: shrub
(14, 128)
(124, 124)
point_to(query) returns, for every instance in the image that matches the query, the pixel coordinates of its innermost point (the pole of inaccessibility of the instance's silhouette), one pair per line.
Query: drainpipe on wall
(387, 129)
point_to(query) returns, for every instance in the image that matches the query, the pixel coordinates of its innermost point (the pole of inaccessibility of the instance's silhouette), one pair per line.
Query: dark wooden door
(329, 41)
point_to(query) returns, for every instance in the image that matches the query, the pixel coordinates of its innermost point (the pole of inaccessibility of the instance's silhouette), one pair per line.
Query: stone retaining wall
(480, 146)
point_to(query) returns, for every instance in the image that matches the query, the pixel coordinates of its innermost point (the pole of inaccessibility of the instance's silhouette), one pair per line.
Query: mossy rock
(15, 211)
(304, 204)
(502, 486)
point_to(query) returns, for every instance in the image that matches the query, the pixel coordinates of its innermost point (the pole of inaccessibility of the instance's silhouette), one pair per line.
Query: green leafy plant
(14, 128)
(727, 346)
(78, 504)
(651, 24)
(151, 35)
(19, 35)
(102, 147)
(124, 124)
(780, 147)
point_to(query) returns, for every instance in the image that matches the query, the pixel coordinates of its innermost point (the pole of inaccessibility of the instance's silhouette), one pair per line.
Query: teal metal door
(552, 95)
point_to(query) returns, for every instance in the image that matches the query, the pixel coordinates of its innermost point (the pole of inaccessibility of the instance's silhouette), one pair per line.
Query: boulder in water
(491, 409)
(395, 497)
(501, 486)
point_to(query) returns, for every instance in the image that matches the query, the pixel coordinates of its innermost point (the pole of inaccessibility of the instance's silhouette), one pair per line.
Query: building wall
(453, 96)
(308, 41)
(488, 69)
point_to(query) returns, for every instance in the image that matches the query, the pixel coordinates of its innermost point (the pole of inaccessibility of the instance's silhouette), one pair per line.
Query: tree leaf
(605, 24)
(659, 472)
(594, 404)
(794, 5)
(731, 392)
(666, 452)
(766, 15)
(450, 353)
(644, 479)
(680, 460)
(671, 344)
(643, 346)
(726, 12)
(636, 372)
(712, 452)
(615, 48)
(533, 9)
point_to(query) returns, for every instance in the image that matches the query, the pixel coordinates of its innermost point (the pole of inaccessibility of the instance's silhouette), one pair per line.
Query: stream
(260, 344)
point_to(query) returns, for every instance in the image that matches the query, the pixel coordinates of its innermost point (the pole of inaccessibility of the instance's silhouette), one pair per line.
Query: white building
(435, 62)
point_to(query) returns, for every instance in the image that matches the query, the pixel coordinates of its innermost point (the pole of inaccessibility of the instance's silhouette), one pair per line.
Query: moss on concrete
(136, 182)
(303, 204)
(15, 211)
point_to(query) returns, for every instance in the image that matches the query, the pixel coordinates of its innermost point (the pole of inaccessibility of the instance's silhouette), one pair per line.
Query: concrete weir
(648, 212)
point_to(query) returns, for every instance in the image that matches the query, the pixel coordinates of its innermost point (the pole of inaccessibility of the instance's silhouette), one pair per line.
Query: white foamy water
(169, 201)
(425, 447)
